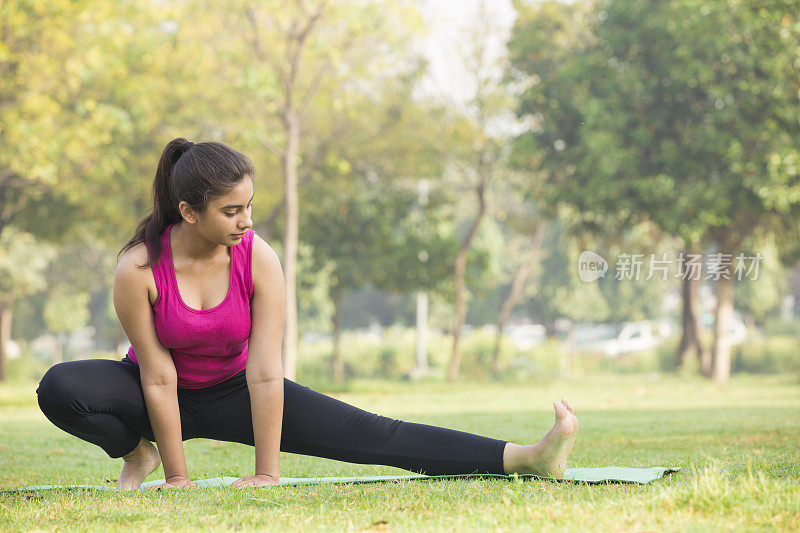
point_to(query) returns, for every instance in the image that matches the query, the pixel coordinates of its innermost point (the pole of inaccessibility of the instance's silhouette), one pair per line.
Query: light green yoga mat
(606, 474)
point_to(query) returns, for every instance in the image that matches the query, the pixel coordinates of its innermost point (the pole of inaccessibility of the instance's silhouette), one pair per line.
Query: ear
(187, 212)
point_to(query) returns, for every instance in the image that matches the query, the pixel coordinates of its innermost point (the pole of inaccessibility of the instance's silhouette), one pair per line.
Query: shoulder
(264, 257)
(132, 260)
(130, 274)
(266, 265)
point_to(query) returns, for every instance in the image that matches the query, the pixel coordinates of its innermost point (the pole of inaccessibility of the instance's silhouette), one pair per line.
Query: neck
(187, 243)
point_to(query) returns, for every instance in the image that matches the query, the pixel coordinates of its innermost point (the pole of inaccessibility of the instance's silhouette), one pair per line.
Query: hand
(176, 482)
(260, 480)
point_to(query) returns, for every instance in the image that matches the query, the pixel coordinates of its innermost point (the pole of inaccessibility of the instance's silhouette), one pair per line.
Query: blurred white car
(614, 339)
(526, 336)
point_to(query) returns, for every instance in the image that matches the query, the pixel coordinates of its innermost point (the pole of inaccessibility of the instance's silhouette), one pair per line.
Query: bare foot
(548, 457)
(143, 460)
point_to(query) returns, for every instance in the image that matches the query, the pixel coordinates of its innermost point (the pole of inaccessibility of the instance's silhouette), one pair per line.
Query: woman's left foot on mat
(139, 464)
(548, 457)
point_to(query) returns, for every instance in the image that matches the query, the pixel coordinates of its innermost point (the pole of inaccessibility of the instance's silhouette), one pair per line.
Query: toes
(561, 409)
(568, 405)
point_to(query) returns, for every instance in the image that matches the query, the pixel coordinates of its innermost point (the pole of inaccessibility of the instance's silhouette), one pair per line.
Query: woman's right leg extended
(316, 424)
(99, 401)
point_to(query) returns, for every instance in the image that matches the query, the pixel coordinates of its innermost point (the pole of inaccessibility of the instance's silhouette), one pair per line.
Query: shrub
(667, 353)
(26, 367)
(476, 354)
(772, 355)
(547, 359)
(781, 326)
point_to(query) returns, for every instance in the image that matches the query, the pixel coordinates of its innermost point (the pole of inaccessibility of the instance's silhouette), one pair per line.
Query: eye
(229, 215)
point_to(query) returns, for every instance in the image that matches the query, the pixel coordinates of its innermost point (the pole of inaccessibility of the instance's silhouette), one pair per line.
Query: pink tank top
(207, 346)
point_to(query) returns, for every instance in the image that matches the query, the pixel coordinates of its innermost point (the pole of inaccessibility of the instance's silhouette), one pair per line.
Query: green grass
(738, 446)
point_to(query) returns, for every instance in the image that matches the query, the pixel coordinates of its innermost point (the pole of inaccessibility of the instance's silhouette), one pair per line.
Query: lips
(237, 235)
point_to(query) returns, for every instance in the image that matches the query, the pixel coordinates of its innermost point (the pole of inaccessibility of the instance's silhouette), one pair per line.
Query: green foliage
(27, 317)
(25, 368)
(762, 296)
(80, 102)
(781, 326)
(66, 309)
(545, 360)
(773, 355)
(23, 261)
(667, 355)
(656, 110)
(684, 113)
(562, 293)
(476, 354)
(314, 308)
(389, 356)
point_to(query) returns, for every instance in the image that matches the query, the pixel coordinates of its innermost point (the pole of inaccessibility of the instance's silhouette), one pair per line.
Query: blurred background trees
(387, 177)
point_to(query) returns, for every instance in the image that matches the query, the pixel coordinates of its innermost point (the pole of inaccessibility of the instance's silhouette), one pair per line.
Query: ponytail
(207, 170)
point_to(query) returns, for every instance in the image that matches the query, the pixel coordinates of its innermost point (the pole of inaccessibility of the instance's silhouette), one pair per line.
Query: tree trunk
(291, 236)
(422, 333)
(691, 346)
(460, 268)
(6, 308)
(516, 291)
(337, 365)
(706, 362)
(721, 354)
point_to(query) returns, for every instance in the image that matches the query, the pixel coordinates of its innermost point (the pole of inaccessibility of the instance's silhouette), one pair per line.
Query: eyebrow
(229, 206)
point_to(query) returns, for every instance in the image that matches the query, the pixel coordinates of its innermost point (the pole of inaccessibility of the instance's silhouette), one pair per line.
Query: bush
(390, 356)
(476, 354)
(25, 368)
(781, 326)
(668, 355)
(624, 363)
(772, 355)
(547, 359)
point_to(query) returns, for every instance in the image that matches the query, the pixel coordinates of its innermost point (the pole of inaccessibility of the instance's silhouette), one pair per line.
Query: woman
(201, 299)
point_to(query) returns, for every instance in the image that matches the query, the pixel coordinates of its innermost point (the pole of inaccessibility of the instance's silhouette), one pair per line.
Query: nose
(246, 222)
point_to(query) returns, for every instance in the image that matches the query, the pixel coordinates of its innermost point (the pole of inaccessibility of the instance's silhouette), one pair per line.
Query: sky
(450, 24)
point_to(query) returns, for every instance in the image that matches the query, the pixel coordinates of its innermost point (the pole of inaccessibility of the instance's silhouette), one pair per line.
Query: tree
(482, 156)
(290, 51)
(23, 261)
(361, 216)
(84, 100)
(517, 286)
(683, 112)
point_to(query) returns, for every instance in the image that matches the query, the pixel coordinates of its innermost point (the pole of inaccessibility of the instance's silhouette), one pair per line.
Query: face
(226, 218)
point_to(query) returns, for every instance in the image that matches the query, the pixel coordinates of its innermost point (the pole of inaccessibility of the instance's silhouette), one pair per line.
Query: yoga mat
(606, 474)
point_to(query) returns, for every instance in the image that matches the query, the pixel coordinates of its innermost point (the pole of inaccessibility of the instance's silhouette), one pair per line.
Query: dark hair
(193, 173)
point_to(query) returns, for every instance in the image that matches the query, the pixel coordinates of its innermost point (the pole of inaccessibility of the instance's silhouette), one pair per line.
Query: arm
(264, 369)
(157, 371)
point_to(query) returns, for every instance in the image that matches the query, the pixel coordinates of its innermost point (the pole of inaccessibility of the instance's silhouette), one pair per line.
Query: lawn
(737, 445)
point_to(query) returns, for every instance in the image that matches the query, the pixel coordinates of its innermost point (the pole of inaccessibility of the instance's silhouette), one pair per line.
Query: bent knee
(56, 388)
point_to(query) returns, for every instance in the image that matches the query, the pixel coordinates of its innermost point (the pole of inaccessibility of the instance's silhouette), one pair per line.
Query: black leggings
(101, 401)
